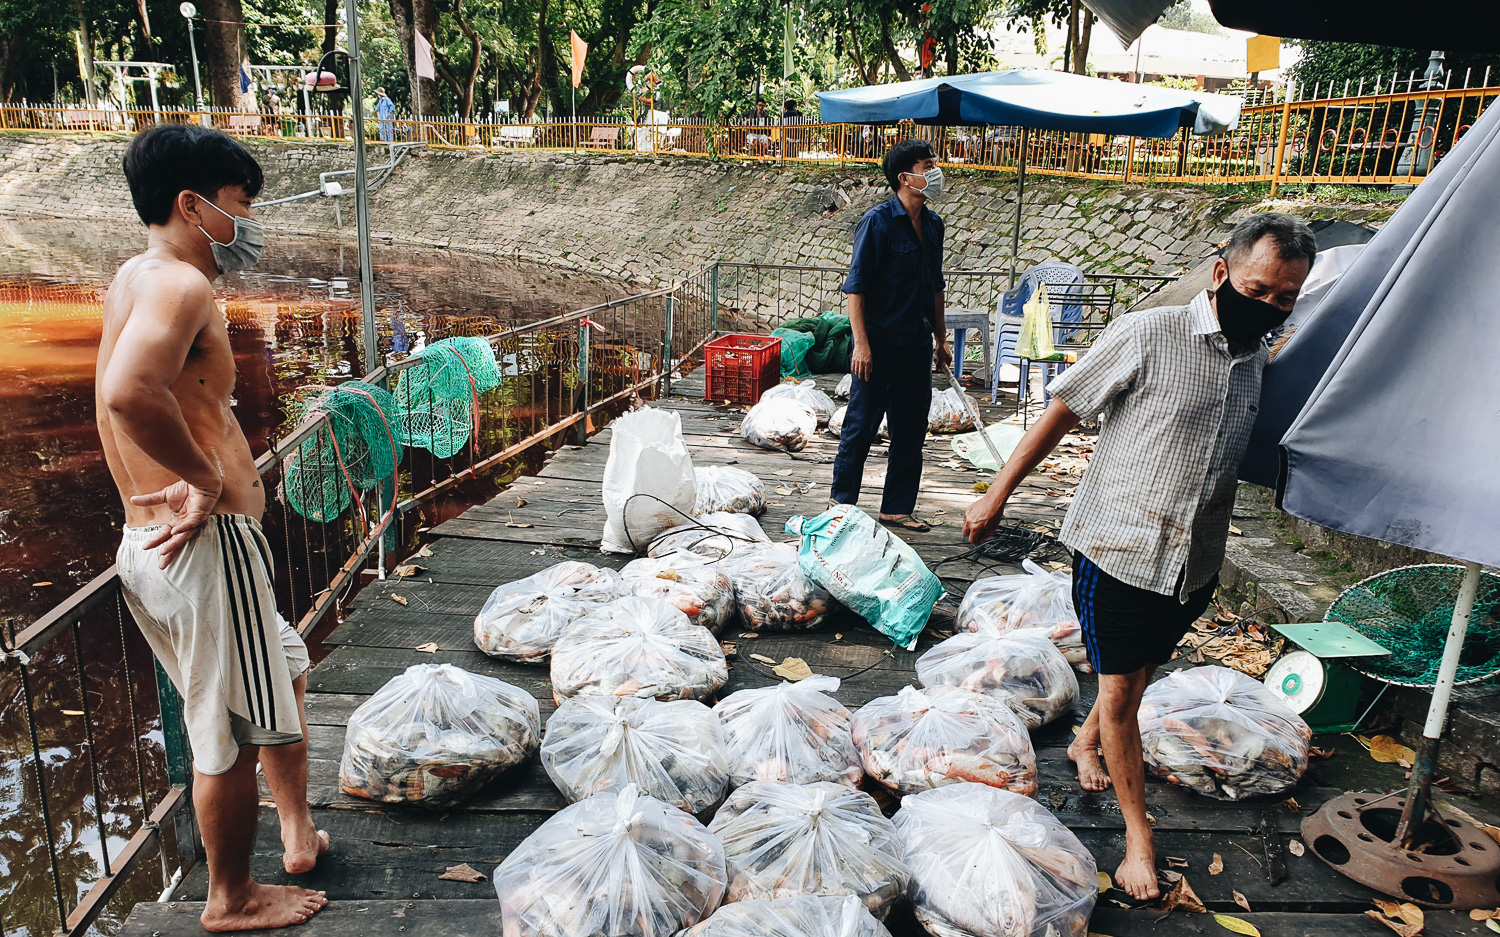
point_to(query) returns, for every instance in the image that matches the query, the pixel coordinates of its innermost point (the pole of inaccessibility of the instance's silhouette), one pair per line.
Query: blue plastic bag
(869, 569)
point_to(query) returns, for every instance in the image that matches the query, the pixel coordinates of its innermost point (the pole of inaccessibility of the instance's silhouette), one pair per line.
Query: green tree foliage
(1181, 15)
(1336, 62)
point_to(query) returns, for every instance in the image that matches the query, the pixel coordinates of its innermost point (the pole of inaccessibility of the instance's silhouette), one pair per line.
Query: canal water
(295, 320)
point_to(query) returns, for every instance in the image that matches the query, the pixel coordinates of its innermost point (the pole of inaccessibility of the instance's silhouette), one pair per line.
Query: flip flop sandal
(907, 522)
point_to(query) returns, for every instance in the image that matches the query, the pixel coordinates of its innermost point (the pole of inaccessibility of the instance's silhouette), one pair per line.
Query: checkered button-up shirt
(1154, 505)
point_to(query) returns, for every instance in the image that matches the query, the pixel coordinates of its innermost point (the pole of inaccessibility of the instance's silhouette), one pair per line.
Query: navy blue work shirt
(899, 275)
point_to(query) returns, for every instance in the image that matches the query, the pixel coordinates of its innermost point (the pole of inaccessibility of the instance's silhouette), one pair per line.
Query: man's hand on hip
(862, 363)
(190, 507)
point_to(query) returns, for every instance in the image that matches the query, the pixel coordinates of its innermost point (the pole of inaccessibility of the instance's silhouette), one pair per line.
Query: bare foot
(1091, 773)
(263, 907)
(303, 850)
(1136, 876)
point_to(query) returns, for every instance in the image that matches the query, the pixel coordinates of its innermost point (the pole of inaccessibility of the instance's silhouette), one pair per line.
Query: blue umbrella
(1033, 99)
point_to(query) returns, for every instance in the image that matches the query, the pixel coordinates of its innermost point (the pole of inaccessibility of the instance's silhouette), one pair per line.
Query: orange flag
(580, 51)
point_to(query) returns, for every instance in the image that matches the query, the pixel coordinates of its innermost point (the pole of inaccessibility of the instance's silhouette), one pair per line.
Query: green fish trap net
(1408, 611)
(438, 399)
(362, 452)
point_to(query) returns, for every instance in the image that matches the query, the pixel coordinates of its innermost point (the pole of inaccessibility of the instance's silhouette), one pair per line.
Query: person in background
(789, 109)
(760, 141)
(1178, 388)
(193, 563)
(385, 110)
(895, 288)
(273, 103)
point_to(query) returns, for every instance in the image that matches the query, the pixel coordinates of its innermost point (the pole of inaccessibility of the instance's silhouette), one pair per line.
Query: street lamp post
(189, 11)
(1416, 157)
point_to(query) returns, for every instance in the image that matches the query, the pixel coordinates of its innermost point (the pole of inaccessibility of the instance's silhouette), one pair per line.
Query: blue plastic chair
(1059, 278)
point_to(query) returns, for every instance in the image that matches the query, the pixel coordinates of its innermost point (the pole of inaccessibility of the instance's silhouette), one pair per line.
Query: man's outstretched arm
(1049, 429)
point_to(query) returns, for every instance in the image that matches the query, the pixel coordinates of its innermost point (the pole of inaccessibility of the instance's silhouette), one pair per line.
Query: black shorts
(1125, 627)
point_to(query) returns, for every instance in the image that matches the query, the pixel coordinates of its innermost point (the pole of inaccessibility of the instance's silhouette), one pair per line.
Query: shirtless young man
(193, 563)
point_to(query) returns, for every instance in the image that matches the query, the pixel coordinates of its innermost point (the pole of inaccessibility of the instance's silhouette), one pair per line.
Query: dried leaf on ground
(38, 585)
(1238, 925)
(425, 551)
(408, 569)
(783, 490)
(462, 873)
(398, 598)
(1387, 750)
(981, 487)
(1403, 910)
(838, 637)
(1291, 804)
(1317, 752)
(514, 524)
(1105, 882)
(1400, 927)
(729, 648)
(784, 472)
(1217, 866)
(1182, 896)
(763, 658)
(749, 634)
(1168, 876)
(1175, 862)
(520, 502)
(1295, 847)
(1242, 901)
(72, 712)
(429, 648)
(793, 669)
(1480, 914)
(1236, 531)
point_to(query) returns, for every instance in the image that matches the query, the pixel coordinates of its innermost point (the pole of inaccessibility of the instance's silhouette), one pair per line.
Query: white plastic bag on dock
(688, 581)
(990, 863)
(435, 735)
(947, 413)
(805, 393)
(648, 479)
(726, 488)
(784, 839)
(1222, 733)
(845, 387)
(713, 536)
(637, 646)
(772, 591)
(673, 750)
(1033, 599)
(1023, 668)
(793, 732)
(836, 424)
(803, 916)
(521, 620)
(779, 424)
(920, 739)
(622, 864)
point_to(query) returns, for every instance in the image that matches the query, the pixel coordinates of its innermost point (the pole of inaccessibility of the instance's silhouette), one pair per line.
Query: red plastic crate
(741, 367)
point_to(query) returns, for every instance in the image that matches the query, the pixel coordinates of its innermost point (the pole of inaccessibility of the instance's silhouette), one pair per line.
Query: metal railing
(1376, 132)
(99, 833)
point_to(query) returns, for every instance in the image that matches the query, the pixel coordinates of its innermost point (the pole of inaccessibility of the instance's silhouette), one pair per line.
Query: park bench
(243, 124)
(603, 138)
(517, 134)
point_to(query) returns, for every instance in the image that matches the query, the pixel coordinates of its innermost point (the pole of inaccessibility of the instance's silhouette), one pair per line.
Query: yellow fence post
(1286, 120)
(1129, 158)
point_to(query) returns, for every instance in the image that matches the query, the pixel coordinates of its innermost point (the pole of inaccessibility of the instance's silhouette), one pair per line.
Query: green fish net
(1408, 611)
(436, 398)
(362, 450)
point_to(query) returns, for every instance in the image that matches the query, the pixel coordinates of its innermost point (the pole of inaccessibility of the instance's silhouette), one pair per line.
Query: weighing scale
(1313, 682)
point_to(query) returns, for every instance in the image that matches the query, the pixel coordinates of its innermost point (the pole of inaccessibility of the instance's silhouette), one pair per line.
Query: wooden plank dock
(382, 876)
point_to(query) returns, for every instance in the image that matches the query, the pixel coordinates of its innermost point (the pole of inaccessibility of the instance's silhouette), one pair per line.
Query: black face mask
(1244, 321)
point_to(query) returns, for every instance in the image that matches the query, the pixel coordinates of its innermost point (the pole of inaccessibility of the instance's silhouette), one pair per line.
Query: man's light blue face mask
(244, 250)
(932, 188)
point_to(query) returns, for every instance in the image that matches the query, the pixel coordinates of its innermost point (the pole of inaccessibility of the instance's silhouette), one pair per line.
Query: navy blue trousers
(899, 389)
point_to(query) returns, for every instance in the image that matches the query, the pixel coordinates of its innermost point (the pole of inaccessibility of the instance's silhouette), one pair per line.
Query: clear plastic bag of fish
(521, 620)
(687, 581)
(779, 424)
(637, 646)
(836, 424)
(729, 489)
(714, 536)
(772, 591)
(948, 414)
(807, 394)
(793, 732)
(623, 864)
(435, 735)
(991, 863)
(784, 839)
(844, 387)
(803, 916)
(921, 739)
(1222, 733)
(673, 751)
(1033, 599)
(1023, 668)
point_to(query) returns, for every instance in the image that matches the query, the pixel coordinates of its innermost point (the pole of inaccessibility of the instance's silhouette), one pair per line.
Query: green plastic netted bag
(438, 398)
(358, 451)
(794, 349)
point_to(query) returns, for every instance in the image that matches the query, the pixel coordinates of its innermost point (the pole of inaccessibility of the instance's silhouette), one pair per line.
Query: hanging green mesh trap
(362, 451)
(1408, 611)
(437, 398)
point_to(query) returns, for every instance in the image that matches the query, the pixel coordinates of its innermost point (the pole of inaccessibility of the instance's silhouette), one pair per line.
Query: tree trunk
(541, 65)
(223, 51)
(1070, 44)
(463, 87)
(891, 54)
(952, 52)
(1081, 53)
(12, 54)
(410, 16)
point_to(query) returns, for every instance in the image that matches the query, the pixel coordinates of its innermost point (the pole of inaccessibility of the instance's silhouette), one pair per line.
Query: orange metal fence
(1387, 136)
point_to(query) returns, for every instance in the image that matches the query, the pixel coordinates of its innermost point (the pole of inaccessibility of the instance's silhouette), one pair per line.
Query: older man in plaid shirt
(1178, 388)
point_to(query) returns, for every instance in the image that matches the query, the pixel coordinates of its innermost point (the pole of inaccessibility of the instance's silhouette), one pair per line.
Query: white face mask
(243, 252)
(933, 190)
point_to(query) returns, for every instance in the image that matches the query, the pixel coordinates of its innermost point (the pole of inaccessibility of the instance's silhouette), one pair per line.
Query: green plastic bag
(794, 349)
(869, 569)
(1035, 340)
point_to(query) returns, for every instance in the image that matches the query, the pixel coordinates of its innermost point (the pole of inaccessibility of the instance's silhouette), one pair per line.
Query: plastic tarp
(1442, 24)
(1044, 100)
(1396, 438)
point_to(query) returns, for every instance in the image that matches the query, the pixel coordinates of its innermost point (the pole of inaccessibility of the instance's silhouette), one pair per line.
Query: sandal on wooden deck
(907, 522)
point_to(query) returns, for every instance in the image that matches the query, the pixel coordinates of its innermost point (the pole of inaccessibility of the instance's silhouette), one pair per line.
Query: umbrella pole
(1419, 796)
(1015, 237)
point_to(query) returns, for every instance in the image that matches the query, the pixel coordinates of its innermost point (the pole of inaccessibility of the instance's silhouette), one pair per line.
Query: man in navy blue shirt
(895, 289)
